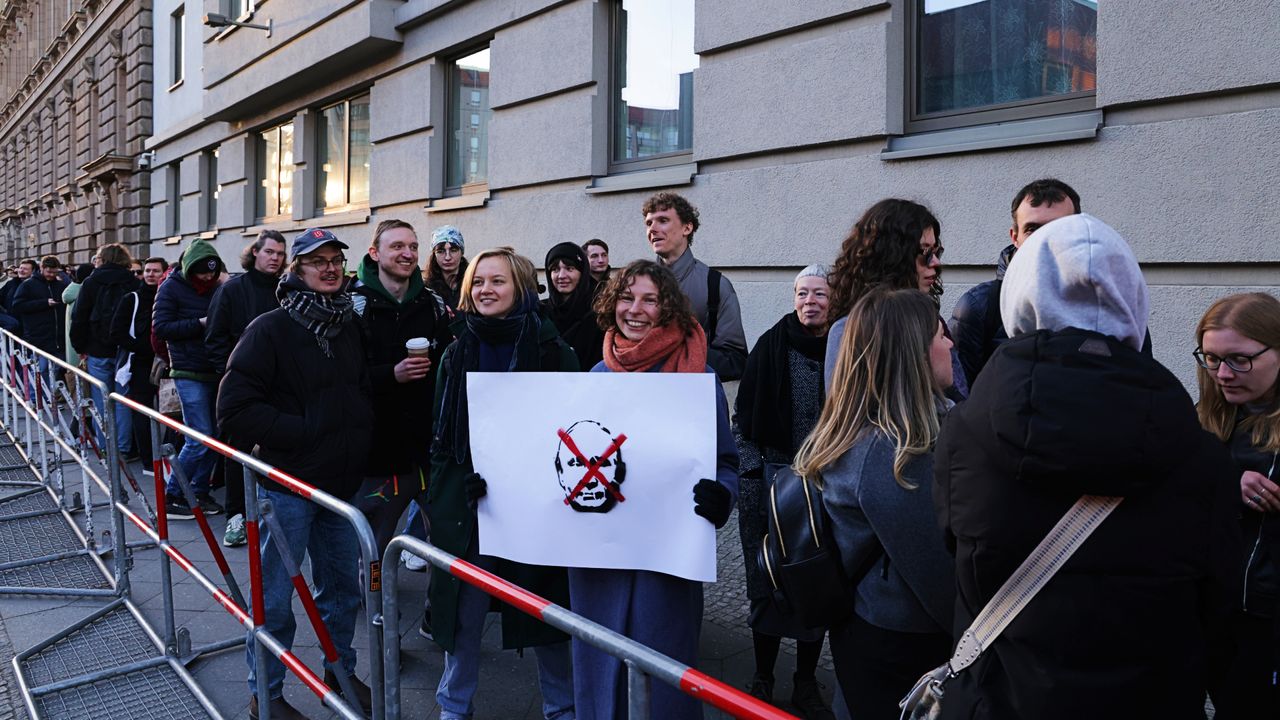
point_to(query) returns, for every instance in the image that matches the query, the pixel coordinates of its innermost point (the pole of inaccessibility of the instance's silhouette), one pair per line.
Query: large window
(173, 198)
(343, 154)
(652, 81)
(275, 171)
(209, 188)
(467, 157)
(978, 61)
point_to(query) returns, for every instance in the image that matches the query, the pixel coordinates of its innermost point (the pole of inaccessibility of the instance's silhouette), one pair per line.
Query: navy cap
(312, 238)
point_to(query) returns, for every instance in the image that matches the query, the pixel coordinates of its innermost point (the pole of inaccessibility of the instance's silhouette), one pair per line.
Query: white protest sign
(595, 470)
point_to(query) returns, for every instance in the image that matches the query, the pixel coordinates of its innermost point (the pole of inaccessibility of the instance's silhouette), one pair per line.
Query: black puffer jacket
(234, 305)
(176, 320)
(1128, 627)
(403, 425)
(42, 323)
(131, 330)
(107, 281)
(310, 415)
(1261, 590)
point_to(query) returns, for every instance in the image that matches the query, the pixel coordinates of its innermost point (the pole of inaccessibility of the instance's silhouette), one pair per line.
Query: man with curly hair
(670, 222)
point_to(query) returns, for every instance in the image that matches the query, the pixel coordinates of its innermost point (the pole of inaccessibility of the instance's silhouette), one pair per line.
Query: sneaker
(209, 505)
(234, 536)
(177, 508)
(412, 562)
(807, 698)
(761, 688)
(425, 629)
(148, 470)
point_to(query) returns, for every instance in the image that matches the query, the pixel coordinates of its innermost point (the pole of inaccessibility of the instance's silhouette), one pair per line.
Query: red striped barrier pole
(194, 503)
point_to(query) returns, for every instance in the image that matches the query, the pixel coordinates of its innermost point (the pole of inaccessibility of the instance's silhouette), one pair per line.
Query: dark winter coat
(42, 323)
(1126, 628)
(402, 411)
(975, 323)
(661, 611)
(233, 306)
(176, 320)
(1261, 592)
(131, 330)
(106, 281)
(453, 526)
(308, 414)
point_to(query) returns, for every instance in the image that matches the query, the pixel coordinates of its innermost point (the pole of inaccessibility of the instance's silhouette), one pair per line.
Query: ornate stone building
(75, 80)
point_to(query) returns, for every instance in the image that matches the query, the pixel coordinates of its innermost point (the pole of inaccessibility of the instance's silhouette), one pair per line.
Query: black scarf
(481, 340)
(568, 310)
(764, 395)
(322, 315)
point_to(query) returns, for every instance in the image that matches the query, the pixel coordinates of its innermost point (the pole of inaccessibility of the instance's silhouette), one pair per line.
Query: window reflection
(976, 53)
(468, 157)
(653, 103)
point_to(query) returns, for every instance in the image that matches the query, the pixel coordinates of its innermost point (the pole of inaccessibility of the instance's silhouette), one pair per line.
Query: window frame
(617, 68)
(173, 198)
(210, 189)
(259, 165)
(915, 122)
(450, 88)
(177, 47)
(347, 205)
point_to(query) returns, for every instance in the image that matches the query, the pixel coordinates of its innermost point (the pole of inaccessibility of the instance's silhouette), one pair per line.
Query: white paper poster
(595, 470)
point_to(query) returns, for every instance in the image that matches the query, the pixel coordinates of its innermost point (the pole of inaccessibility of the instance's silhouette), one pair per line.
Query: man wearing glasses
(297, 388)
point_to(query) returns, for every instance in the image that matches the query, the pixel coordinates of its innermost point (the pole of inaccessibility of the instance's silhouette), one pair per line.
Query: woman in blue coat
(649, 327)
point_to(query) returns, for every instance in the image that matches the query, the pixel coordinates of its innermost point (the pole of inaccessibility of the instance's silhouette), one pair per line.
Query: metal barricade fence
(642, 662)
(254, 622)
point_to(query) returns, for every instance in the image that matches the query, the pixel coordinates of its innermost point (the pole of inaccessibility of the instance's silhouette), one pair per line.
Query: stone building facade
(75, 78)
(782, 121)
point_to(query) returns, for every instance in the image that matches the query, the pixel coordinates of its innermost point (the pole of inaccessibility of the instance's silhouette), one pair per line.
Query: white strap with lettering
(1034, 572)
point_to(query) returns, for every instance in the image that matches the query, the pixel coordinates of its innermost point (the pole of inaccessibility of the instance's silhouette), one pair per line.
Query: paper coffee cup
(417, 347)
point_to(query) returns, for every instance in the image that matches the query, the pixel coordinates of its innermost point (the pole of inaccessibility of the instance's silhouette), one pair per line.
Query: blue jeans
(45, 370)
(104, 370)
(415, 525)
(462, 667)
(335, 562)
(197, 461)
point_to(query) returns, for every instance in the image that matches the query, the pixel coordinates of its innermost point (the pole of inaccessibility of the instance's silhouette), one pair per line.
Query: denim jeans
(462, 667)
(44, 369)
(104, 370)
(197, 461)
(415, 525)
(335, 560)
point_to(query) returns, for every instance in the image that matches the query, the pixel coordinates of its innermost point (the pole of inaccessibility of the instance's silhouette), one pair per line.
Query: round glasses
(1239, 362)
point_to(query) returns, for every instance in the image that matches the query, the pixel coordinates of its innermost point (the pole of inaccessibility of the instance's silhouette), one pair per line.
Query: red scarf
(667, 345)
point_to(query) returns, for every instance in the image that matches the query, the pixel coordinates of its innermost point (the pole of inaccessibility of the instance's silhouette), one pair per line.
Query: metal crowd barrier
(254, 623)
(642, 661)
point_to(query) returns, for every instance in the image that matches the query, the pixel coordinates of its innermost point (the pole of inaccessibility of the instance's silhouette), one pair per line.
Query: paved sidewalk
(508, 683)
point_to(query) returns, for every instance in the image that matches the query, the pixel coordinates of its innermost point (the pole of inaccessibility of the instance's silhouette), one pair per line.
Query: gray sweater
(727, 353)
(912, 586)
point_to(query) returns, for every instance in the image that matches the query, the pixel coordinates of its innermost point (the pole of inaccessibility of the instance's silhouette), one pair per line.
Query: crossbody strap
(1034, 572)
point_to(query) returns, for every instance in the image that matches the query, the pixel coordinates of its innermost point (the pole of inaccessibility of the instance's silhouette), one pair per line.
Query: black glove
(712, 501)
(476, 488)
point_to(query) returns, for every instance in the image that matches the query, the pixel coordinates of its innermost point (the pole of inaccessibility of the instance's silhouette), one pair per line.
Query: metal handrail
(368, 554)
(642, 661)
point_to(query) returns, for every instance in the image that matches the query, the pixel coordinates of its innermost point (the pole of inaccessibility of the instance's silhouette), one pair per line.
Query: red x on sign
(592, 466)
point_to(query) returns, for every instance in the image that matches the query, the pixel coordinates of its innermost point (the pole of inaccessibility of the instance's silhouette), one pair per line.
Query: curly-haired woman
(898, 244)
(650, 328)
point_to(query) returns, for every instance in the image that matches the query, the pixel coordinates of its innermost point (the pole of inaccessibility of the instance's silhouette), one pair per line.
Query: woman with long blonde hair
(1239, 375)
(872, 454)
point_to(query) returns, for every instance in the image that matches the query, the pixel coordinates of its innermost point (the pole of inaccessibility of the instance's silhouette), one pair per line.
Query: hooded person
(1132, 624)
(570, 292)
(179, 317)
(91, 330)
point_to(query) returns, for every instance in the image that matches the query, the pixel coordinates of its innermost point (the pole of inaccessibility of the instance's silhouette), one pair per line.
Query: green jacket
(453, 529)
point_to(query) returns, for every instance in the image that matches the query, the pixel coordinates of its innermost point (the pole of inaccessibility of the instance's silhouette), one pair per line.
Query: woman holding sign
(649, 327)
(498, 330)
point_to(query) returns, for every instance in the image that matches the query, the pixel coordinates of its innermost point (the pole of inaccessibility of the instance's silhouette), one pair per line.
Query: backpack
(799, 554)
(104, 309)
(713, 303)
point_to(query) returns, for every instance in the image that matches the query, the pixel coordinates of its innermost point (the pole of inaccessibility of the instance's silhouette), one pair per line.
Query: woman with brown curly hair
(897, 244)
(649, 328)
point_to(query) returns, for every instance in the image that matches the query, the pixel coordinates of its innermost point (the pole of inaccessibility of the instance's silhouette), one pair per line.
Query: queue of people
(943, 451)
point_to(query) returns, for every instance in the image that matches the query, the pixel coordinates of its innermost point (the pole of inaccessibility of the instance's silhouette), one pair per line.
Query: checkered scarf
(322, 315)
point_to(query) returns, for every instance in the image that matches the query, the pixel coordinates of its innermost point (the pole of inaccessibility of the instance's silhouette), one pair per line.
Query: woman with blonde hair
(499, 330)
(871, 452)
(1239, 375)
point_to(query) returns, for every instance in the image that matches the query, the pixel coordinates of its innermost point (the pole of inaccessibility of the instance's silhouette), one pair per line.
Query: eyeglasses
(928, 255)
(447, 249)
(1238, 363)
(337, 263)
(138, 273)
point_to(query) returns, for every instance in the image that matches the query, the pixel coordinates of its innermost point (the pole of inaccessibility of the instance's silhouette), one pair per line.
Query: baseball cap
(312, 238)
